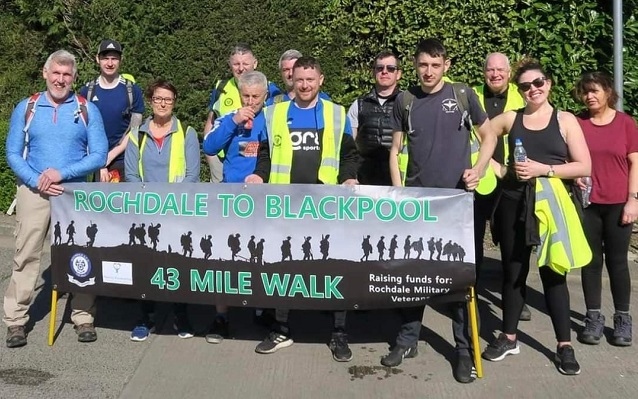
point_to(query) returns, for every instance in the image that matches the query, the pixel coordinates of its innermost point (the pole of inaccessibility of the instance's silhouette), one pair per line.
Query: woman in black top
(555, 147)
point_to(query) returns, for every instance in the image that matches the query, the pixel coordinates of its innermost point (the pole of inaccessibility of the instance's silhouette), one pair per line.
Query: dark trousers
(515, 256)
(412, 317)
(281, 317)
(609, 239)
(148, 308)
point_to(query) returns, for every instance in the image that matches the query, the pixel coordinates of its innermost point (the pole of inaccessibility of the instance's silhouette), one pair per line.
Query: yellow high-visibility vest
(514, 101)
(177, 158)
(563, 243)
(334, 121)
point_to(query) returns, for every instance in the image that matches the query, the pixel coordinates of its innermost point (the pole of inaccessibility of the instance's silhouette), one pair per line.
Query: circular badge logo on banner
(228, 102)
(80, 265)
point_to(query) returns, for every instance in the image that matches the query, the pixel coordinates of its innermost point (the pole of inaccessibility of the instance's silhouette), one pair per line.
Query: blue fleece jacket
(58, 139)
(240, 145)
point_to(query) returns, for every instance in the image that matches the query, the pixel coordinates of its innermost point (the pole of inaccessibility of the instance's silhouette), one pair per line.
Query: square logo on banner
(117, 273)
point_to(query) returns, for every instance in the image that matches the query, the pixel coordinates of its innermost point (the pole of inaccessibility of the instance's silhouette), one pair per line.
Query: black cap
(109, 45)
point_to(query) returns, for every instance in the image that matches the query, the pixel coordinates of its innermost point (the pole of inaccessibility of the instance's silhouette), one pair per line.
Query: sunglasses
(538, 83)
(389, 68)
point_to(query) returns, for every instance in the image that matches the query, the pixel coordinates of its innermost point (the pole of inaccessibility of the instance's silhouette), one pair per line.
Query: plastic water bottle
(586, 191)
(520, 155)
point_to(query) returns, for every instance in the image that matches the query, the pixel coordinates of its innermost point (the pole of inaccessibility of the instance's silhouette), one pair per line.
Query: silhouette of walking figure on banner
(57, 233)
(91, 232)
(439, 248)
(70, 232)
(431, 247)
(447, 250)
(393, 247)
(206, 245)
(406, 247)
(366, 247)
(306, 247)
(140, 233)
(234, 244)
(131, 234)
(418, 247)
(259, 252)
(461, 253)
(186, 240)
(286, 249)
(324, 246)
(381, 247)
(251, 248)
(153, 234)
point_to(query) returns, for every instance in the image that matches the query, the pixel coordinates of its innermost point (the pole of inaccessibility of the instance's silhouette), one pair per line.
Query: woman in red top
(612, 138)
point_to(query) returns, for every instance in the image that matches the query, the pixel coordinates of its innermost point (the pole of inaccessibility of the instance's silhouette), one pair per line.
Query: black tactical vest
(374, 131)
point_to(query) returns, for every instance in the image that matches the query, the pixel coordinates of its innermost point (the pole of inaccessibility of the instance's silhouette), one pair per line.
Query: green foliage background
(188, 42)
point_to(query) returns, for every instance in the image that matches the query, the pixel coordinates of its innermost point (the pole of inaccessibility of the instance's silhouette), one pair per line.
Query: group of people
(437, 133)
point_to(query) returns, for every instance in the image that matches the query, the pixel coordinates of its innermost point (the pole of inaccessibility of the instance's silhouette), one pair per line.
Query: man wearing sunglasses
(496, 95)
(370, 119)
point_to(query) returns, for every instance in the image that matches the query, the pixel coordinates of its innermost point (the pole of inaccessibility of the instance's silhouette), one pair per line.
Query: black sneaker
(464, 371)
(501, 347)
(622, 330)
(397, 354)
(218, 331)
(86, 333)
(526, 314)
(16, 337)
(566, 360)
(339, 347)
(183, 327)
(594, 327)
(273, 342)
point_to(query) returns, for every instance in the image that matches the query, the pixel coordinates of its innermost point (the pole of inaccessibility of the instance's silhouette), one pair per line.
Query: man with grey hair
(238, 134)
(496, 96)
(225, 98)
(286, 64)
(42, 172)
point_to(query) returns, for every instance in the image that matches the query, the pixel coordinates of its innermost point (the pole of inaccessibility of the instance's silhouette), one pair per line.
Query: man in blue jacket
(40, 126)
(238, 134)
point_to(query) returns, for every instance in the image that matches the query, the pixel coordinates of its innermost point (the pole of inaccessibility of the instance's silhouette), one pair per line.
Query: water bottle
(520, 155)
(586, 191)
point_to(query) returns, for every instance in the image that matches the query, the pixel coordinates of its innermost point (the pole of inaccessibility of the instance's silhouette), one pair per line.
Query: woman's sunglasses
(538, 83)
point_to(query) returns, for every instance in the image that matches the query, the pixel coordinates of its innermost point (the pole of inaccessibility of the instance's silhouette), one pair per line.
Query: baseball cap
(109, 45)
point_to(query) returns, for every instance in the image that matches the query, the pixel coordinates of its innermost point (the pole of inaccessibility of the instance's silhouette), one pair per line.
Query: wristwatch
(551, 172)
(633, 195)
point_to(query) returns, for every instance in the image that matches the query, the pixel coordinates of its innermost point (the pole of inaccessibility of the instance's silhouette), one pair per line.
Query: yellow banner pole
(54, 308)
(472, 307)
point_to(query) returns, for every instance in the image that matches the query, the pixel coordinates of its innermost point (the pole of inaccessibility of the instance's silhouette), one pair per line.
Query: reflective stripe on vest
(514, 101)
(334, 120)
(563, 243)
(177, 157)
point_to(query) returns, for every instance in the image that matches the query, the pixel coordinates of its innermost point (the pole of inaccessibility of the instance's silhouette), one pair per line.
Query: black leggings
(515, 260)
(606, 236)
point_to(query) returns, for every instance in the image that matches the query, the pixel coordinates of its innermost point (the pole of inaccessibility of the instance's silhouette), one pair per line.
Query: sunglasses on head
(538, 83)
(390, 68)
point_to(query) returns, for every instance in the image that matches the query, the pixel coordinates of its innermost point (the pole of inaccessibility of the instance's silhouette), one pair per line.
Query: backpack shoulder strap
(407, 98)
(29, 112)
(91, 89)
(219, 89)
(129, 94)
(82, 111)
(461, 96)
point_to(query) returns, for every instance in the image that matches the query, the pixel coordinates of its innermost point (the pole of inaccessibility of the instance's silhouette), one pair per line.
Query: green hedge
(189, 42)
